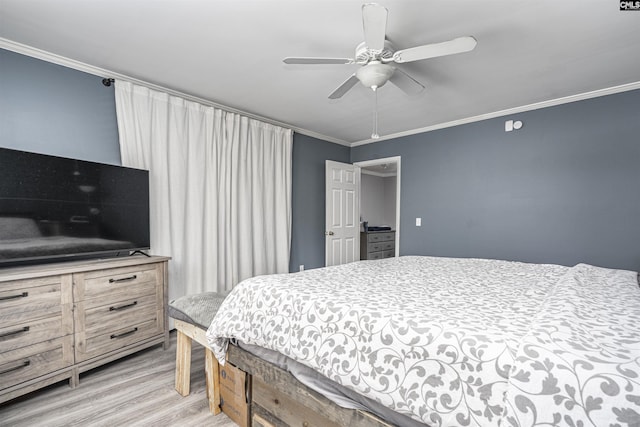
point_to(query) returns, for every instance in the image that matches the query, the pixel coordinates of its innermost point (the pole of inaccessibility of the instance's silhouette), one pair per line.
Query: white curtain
(220, 187)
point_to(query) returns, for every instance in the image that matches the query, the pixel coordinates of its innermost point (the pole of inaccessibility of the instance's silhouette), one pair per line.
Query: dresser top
(50, 269)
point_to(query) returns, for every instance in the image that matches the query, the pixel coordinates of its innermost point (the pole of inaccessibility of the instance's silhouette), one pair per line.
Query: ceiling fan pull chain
(375, 135)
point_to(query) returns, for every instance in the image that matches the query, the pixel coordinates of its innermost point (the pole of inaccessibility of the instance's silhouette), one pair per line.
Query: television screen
(53, 207)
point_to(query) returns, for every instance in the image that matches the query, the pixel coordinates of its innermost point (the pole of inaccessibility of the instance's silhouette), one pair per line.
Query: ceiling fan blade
(459, 45)
(305, 61)
(374, 22)
(344, 87)
(406, 83)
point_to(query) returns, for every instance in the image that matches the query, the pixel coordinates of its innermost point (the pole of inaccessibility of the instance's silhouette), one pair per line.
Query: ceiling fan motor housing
(364, 54)
(375, 74)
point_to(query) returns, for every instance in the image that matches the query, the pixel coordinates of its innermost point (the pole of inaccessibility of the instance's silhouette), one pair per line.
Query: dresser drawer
(106, 318)
(88, 347)
(388, 254)
(29, 362)
(119, 295)
(380, 237)
(34, 331)
(374, 255)
(380, 246)
(374, 247)
(106, 285)
(22, 301)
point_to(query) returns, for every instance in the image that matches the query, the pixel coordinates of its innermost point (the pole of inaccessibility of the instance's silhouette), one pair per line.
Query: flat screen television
(54, 207)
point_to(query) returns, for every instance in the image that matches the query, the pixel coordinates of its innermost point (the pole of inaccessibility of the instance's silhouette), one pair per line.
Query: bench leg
(183, 364)
(212, 372)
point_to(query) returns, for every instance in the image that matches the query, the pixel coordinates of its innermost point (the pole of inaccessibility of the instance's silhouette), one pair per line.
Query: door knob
(328, 233)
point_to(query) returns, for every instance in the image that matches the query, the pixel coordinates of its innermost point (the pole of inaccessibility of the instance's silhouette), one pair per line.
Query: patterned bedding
(456, 342)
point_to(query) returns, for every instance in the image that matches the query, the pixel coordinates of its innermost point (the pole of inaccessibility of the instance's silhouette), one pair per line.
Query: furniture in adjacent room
(377, 244)
(59, 320)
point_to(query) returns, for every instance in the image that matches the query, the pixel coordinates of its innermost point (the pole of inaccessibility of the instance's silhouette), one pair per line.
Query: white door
(342, 233)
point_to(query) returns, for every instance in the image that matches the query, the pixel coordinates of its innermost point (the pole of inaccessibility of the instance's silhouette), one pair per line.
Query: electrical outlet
(418, 222)
(301, 267)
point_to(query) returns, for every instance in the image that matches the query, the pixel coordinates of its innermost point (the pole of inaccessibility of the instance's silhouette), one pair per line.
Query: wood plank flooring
(135, 391)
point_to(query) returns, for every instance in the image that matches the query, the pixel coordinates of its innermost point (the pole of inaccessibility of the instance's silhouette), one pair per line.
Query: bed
(449, 342)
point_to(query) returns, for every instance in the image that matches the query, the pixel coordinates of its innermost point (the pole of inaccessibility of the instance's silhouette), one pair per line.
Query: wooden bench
(186, 333)
(191, 313)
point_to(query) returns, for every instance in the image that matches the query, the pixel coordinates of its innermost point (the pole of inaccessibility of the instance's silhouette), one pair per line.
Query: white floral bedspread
(579, 364)
(437, 339)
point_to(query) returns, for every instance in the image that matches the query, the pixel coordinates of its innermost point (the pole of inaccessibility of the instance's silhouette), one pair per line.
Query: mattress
(449, 342)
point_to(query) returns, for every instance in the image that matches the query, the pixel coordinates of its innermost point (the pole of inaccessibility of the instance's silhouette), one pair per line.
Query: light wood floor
(135, 391)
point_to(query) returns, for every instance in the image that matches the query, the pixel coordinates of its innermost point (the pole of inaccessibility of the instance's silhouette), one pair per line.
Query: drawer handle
(19, 331)
(123, 279)
(133, 331)
(22, 295)
(15, 368)
(122, 307)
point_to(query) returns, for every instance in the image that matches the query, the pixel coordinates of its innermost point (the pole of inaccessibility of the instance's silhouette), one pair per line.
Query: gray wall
(563, 189)
(309, 155)
(50, 109)
(378, 200)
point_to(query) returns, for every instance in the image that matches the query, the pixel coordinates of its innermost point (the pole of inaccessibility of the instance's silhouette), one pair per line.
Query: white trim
(378, 174)
(90, 69)
(543, 104)
(97, 71)
(397, 160)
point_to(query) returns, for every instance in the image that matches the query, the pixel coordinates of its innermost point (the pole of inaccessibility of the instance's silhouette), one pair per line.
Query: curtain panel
(220, 187)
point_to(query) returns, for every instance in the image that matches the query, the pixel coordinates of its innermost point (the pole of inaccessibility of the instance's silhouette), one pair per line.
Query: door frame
(397, 161)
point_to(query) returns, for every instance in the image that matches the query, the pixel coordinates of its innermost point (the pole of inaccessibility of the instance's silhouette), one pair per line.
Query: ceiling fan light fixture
(375, 74)
(376, 52)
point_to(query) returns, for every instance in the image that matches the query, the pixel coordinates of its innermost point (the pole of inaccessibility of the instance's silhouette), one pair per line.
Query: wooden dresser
(58, 320)
(377, 244)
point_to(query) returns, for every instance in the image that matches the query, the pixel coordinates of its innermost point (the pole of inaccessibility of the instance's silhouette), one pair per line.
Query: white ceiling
(230, 52)
(382, 169)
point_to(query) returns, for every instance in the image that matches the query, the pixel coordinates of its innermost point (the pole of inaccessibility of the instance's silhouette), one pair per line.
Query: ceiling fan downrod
(374, 134)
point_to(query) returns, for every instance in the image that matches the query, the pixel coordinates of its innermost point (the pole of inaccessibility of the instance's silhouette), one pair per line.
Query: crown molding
(97, 71)
(516, 110)
(102, 72)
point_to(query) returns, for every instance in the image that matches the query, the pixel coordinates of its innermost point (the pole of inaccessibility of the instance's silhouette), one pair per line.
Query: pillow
(197, 309)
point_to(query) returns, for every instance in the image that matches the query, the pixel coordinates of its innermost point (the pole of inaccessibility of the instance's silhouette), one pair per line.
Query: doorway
(380, 195)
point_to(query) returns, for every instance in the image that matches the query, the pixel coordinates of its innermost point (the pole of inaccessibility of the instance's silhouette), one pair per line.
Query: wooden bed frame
(277, 398)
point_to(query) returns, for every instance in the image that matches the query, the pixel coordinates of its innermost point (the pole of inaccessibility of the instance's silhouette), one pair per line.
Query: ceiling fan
(376, 54)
